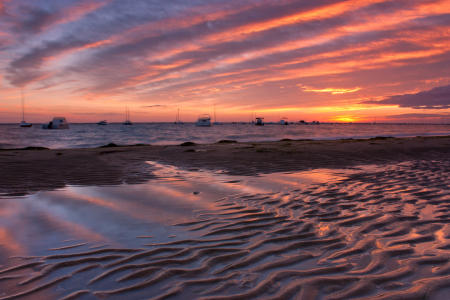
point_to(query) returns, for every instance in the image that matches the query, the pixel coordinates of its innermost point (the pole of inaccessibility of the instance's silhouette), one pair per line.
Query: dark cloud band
(436, 98)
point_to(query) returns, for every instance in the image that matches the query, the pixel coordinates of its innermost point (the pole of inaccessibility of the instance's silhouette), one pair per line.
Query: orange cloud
(333, 91)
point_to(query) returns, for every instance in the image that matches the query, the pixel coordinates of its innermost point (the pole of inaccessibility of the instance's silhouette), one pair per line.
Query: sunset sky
(326, 60)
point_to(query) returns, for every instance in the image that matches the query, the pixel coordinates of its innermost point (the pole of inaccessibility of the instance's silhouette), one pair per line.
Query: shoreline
(29, 171)
(177, 143)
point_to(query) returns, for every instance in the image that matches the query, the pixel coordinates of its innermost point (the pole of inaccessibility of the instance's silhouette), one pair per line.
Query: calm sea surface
(93, 135)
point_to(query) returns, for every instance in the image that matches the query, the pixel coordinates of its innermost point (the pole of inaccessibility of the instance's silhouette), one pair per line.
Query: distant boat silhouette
(259, 122)
(204, 120)
(215, 121)
(104, 122)
(283, 121)
(57, 123)
(127, 117)
(177, 118)
(23, 123)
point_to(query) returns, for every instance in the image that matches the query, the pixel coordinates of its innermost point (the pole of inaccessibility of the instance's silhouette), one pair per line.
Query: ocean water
(93, 135)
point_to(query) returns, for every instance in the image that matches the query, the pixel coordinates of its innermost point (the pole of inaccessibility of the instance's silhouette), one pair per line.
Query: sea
(12, 136)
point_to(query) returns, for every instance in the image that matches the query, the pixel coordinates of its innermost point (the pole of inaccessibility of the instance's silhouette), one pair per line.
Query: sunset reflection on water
(118, 215)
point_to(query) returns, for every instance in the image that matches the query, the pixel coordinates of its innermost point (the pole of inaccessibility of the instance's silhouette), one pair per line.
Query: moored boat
(57, 123)
(23, 123)
(177, 118)
(215, 121)
(259, 122)
(204, 120)
(127, 117)
(283, 121)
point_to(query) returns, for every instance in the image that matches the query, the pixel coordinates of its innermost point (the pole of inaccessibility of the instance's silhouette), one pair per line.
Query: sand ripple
(374, 235)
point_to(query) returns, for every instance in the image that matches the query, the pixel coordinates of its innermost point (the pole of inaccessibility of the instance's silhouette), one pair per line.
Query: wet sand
(376, 225)
(27, 171)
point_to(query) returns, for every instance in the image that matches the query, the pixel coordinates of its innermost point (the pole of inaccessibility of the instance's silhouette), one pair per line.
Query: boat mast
(214, 113)
(23, 109)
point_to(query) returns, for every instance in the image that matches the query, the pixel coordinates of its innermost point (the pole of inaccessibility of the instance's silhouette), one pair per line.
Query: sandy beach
(372, 224)
(24, 171)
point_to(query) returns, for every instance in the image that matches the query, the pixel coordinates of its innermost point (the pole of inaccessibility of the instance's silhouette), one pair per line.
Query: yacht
(283, 121)
(104, 122)
(57, 123)
(204, 120)
(259, 122)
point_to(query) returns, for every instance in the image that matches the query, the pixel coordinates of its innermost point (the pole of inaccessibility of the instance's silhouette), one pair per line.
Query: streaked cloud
(236, 54)
(152, 106)
(418, 116)
(103, 114)
(436, 98)
(333, 91)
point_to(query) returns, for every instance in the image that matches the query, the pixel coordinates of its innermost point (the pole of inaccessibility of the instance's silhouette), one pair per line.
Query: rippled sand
(375, 227)
(371, 232)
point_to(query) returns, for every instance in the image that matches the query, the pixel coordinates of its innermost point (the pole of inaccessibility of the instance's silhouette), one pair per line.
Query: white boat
(259, 122)
(104, 122)
(57, 123)
(177, 118)
(215, 121)
(23, 123)
(127, 117)
(283, 121)
(204, 120)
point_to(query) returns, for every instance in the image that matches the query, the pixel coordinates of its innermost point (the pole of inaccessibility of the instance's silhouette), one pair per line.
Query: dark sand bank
(24, 171)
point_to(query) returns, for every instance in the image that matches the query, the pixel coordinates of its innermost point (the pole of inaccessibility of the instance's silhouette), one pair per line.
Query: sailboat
(23, 123)
(127, 117)
(215, 121)
(177, 118)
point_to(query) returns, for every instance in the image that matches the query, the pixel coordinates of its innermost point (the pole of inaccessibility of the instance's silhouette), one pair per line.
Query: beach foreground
(348, 219)
(27, 171)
